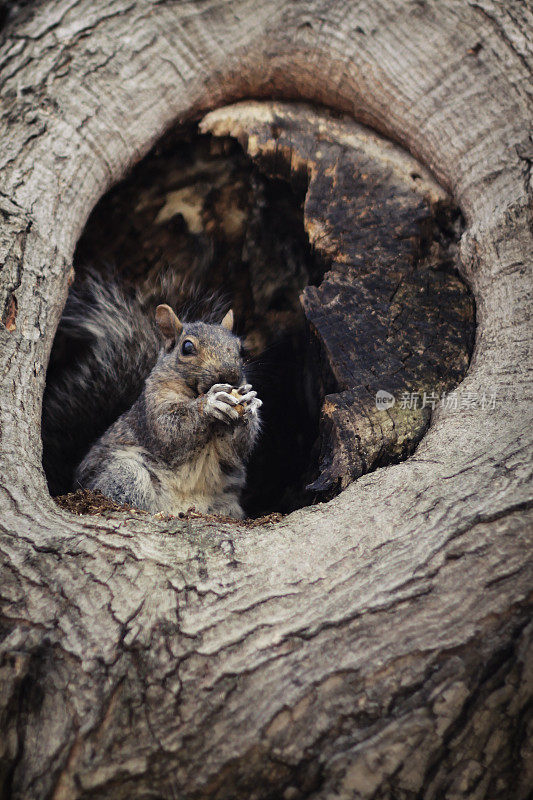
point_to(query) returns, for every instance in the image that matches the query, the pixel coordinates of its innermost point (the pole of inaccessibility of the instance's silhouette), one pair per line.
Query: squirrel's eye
(188, 348)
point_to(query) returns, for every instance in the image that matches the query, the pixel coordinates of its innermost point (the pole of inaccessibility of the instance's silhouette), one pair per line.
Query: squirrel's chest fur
(209, 478)
(205, 481)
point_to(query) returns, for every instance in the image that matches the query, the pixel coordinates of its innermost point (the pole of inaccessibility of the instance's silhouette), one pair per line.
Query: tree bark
(378, 645)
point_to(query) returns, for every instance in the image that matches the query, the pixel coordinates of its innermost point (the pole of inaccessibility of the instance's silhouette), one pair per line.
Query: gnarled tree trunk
(378, 645)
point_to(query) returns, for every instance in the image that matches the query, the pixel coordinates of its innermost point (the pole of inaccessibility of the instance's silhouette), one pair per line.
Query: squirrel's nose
(232, 375)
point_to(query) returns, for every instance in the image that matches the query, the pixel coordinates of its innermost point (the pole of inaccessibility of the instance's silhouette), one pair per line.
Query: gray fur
(182, 443)
(105, 347)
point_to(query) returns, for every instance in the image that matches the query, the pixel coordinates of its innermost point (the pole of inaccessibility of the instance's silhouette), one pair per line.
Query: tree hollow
(338, 254)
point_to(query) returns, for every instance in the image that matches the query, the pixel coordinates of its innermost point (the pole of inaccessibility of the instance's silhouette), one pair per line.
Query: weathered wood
(378, 645)
(391, 313)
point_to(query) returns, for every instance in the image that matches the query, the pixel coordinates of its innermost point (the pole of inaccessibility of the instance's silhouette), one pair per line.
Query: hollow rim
(491, 199)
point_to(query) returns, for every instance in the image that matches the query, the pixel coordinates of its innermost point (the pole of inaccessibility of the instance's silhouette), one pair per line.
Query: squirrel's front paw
(250, 401)
(253, 407)
(220, 404)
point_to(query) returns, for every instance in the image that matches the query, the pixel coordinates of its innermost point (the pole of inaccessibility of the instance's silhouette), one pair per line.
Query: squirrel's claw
(224, 397)
(220, 387)
(220, 404)
(245, 399)
(251, 409)
(223, 412)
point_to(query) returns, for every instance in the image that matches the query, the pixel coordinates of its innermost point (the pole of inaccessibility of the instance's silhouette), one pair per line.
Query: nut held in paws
(239, 408)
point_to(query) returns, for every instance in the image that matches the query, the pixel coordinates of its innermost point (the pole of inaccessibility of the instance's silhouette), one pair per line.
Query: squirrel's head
(200, 353)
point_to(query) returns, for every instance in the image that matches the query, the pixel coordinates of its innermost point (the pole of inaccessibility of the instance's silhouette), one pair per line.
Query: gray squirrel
(187, 418)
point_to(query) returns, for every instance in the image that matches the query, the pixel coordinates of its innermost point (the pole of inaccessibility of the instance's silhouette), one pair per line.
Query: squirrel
(188, 418)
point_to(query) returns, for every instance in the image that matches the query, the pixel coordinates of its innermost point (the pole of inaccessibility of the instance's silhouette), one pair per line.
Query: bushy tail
(105, 347)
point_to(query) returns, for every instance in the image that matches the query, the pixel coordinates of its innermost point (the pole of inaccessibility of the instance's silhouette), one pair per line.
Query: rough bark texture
(378, 645)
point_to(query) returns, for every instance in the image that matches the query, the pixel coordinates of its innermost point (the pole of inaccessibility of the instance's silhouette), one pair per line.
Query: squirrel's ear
(168, 324)
(227, 322)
